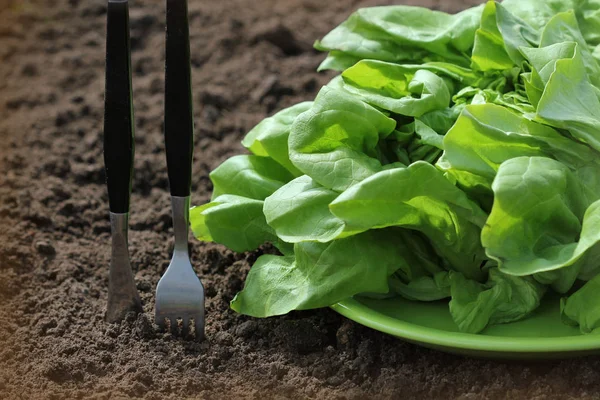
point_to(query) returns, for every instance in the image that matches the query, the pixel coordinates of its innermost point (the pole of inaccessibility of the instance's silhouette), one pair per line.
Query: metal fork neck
(119, 223)
(181, 212)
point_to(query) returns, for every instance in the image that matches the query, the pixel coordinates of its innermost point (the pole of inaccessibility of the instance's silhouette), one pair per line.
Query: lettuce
(454, 157)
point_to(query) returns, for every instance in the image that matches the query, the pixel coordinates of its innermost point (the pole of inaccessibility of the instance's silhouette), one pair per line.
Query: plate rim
(365, 315)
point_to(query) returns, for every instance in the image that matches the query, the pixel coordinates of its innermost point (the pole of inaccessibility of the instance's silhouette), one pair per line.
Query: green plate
(541, 335)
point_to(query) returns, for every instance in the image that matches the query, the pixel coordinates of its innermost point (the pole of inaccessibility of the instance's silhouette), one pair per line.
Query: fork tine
(185, 330)
(161, 323)
(174, 326)
(199, 326)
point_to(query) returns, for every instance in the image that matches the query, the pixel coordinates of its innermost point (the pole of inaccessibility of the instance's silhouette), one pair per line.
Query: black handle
(179, 120)
(118, 108)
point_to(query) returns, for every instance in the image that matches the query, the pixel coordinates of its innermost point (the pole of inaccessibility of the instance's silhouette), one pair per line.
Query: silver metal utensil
(123, 296)
(179, 294)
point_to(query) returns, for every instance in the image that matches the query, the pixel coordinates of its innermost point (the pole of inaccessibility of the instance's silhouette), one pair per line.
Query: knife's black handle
(118, 108)
(179, 120)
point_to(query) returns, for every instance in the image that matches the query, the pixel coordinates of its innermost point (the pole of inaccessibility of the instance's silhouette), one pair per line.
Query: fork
(179, 294)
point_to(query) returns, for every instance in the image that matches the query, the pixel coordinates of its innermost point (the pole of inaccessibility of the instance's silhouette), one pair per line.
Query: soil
(249, 59)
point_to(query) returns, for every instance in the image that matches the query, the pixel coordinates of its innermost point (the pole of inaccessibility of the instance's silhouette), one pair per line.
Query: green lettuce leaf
(392, 88)
(583, 307)
(569, 100)
(424, 288)
(489, 53)
(400, 33)
(322, 274)
(538, 13)
(270, 137)
(299, 211)
(563, 27)
(516, 33)
(486, 135)
(428, 136)
(503, 298)
(543, 62)
(442, 120)
(419, 198)
(235, 216)
(235, 221)
(249, 176)
(335, 141)
(544, 217)
(588, 18)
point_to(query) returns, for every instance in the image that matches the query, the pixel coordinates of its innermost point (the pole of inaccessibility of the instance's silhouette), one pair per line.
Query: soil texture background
(250, 59)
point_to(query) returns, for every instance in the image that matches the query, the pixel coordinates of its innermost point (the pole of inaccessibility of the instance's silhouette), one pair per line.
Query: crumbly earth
(250, 58)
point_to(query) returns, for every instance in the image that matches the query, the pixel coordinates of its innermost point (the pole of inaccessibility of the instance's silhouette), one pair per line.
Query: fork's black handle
(118, 108)
(179, 121)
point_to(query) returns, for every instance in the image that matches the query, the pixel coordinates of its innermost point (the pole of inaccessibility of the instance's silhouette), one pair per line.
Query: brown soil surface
(250, 59)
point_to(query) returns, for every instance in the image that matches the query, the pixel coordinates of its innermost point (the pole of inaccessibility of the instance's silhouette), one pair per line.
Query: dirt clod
(143, 328)
(279, 36)
(45, 248)
(246, 329)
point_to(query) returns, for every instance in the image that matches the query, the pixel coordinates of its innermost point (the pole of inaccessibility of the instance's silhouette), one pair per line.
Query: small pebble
(45, 248)
(144, 285)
